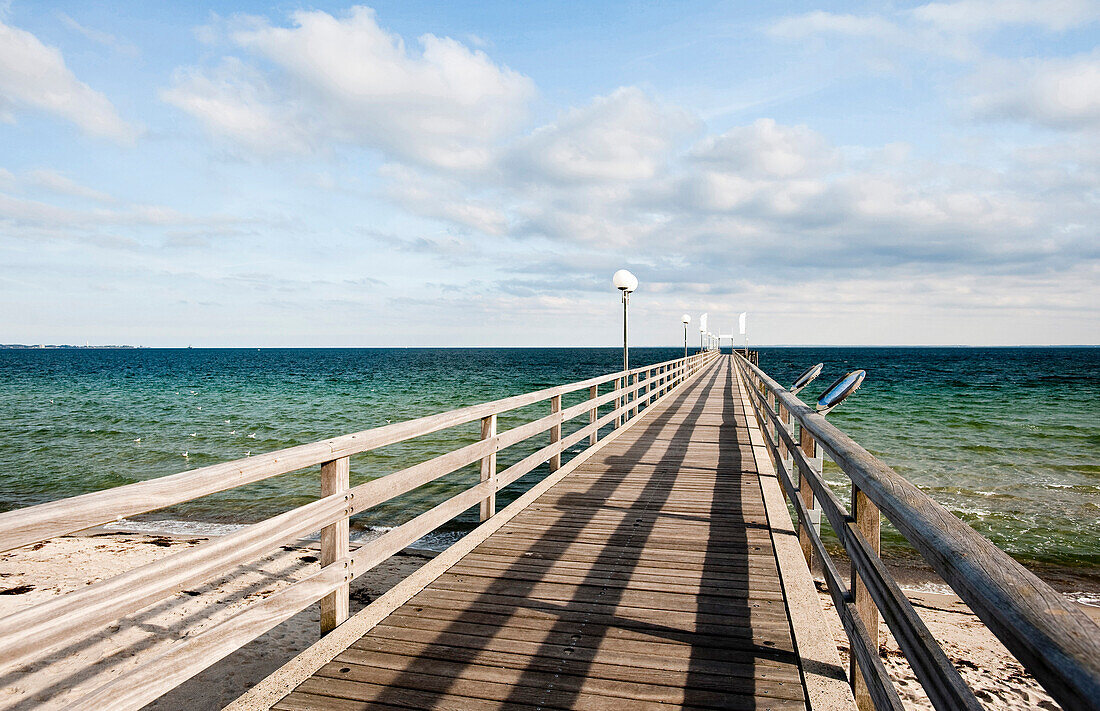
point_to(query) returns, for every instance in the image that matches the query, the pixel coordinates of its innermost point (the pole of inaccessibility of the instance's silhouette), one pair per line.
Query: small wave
(937, 588)
(1090, 599)
(175, 528)
(437, 541)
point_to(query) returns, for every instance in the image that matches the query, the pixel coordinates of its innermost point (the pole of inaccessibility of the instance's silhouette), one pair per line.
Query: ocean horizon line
(127, 347)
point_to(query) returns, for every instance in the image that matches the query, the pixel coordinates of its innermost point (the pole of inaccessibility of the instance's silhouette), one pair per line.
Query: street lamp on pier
(625, 282)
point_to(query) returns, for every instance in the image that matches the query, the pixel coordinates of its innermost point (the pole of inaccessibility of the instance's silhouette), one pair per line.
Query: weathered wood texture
(868, 521)
(645, 578)
(335, 479)
(1054, 640)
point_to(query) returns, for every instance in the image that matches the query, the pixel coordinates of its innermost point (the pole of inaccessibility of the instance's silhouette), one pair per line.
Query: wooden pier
(644, 578)
(653, 563)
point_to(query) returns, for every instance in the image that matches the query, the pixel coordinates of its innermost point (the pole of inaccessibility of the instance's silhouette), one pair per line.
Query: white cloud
(949, 18)
(821, 22)
(34, 76)
(236, 102)
(61, 184)
(624, 136)
(617, 174)
(987, 15)
(336, 80)
(98, 36)
(878, 35)
(442, 198)
(1057, 92)
(768, 149)
(127, 226)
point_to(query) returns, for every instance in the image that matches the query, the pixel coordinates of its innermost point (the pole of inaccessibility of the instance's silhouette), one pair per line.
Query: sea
(1008, 439)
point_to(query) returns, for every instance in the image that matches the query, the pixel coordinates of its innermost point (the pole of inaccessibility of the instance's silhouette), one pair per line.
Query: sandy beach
(998, 680)
(32, 575)
(995, 676)
(45, 570)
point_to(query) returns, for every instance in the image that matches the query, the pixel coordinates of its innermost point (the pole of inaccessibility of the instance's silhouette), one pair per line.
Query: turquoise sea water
(1007, 438)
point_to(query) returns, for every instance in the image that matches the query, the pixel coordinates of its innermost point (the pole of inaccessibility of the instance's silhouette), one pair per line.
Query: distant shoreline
(50, 347)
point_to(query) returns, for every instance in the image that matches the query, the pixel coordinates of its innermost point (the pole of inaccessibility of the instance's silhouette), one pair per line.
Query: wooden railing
(33, 632)
(1057, 643)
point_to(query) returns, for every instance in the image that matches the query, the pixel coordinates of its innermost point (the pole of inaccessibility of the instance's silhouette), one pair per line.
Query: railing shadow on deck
(602, 584)
(728, 514)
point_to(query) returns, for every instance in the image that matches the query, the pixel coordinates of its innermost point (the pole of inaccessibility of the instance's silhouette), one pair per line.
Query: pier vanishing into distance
(655, 564)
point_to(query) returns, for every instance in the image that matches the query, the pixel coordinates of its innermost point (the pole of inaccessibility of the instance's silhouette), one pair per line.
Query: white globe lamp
(624, 281)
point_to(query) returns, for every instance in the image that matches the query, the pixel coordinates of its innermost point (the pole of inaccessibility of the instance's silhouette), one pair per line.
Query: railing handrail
(1056, 642)
(40, 522)
(37, 629)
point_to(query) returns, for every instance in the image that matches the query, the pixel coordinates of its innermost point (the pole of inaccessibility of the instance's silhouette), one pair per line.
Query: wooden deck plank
(502, 682)
(645, 578)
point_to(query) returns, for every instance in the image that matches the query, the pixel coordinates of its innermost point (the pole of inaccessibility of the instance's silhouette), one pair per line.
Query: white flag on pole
(703, 323)
(741, 321)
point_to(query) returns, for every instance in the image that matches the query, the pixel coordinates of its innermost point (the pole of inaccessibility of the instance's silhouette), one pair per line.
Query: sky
(472, 173)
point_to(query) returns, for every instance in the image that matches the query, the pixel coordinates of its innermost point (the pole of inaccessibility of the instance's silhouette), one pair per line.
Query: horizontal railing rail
(1057, 643)
(37, 630)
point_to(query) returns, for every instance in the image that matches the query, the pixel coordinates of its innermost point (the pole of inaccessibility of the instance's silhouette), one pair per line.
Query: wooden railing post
(555, 433)
(593, 414)
(783, 453)
(489, 468)
(634, 410)
(808, 446)
(618, 403)
(336, 606)
(868, 523)
(769, 429)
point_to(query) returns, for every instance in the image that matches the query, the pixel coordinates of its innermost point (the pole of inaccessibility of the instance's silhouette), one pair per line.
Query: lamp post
(625, 282)
(685, 319)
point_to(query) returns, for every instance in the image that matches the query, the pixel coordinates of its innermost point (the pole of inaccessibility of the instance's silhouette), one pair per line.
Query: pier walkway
(644, 578)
